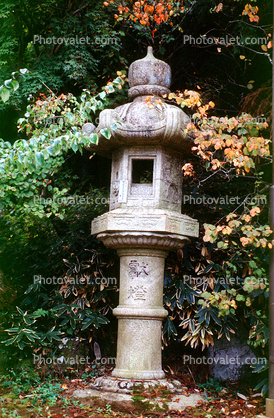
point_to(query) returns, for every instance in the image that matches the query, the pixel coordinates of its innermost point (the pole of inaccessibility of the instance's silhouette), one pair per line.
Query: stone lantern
(144, 222)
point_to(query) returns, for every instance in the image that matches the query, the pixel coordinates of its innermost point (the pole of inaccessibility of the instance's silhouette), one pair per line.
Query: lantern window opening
(142, 171)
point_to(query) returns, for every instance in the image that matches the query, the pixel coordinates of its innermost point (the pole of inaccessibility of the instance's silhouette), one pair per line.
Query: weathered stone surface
(139, 353)
(147, 240)
(229, 360)
(88, 128)
(269, 408)
(148, 120)
(145, 220)
(150, 180)
(137, 123)
(123, 401)
(147, 72)
(140, 313)
(126, 386)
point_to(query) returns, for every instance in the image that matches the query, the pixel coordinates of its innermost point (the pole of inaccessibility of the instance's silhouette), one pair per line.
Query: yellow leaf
(264, 48)
(204, 251)
(242, 57)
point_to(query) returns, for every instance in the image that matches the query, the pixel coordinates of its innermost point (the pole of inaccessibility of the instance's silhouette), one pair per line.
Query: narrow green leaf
(20, 310)
(87, 324)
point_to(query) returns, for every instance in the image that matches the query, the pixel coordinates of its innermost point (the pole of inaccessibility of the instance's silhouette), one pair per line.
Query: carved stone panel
(116, 177)
(171, 181)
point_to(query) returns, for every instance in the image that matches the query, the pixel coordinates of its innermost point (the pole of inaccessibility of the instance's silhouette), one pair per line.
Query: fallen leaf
(242, 396)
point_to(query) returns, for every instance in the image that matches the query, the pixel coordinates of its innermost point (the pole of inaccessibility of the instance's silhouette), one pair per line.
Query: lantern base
(112, 384)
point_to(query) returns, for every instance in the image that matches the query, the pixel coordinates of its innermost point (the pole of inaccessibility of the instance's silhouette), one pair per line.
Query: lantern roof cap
(149, 76)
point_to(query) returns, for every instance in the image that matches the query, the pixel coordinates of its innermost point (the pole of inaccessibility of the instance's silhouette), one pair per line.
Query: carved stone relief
(138, 269)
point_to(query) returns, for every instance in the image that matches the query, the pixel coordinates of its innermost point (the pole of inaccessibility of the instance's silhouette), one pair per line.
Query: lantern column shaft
(140, 314)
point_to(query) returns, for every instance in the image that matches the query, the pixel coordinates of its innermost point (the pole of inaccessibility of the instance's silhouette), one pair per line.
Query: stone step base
(123, 402)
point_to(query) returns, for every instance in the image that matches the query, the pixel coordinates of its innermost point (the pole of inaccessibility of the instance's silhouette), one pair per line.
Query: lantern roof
(148, 120)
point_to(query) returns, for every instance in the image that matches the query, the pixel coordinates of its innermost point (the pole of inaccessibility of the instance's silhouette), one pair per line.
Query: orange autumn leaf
(246, 218)
(245, 241)
(254, 211)
(219, 7)
(160, 8)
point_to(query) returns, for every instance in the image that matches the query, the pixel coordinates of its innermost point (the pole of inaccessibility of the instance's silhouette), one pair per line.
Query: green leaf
(21, 345)
(117, 81)
(55, 308)
(51, 150)
(15, 85)
(5, 94)
(110, 88)
(15, 329)
(106, 133)
(207, 269)
(63, 310)
(20, 310)
(87, 324)
(74, 146)
(102, 320)
(39, 158)
(11, 155)
(102, 95)
(29, 321)
(9, 341)
(29, 337)
(92, 139)
(8, 83)
(57, 145)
